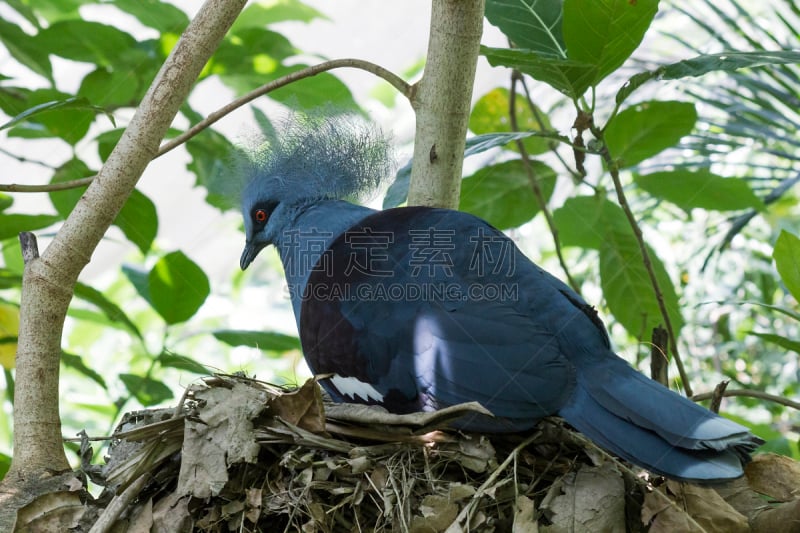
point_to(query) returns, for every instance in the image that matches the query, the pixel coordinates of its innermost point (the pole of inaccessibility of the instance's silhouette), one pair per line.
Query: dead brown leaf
(693, 509)
(776, 476)
(301, 407)
(592, 499)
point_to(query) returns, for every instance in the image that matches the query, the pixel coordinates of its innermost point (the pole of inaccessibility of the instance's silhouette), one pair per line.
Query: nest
(242, 455)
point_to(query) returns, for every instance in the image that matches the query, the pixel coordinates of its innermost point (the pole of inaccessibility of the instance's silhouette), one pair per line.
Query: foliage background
(149, 320)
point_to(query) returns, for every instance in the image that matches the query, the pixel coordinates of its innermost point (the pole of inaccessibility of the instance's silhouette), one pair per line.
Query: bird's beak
(249, 253)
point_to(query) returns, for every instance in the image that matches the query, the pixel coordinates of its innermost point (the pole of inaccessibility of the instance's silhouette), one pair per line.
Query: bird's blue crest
(310, 157)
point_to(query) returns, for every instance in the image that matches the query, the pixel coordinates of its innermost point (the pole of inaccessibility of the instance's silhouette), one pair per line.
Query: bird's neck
(308, 230)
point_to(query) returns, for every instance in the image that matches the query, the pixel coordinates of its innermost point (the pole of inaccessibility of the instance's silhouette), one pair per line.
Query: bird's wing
(411, 320)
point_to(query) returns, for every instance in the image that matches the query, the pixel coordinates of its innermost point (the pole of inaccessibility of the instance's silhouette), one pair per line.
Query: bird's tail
(647, 424)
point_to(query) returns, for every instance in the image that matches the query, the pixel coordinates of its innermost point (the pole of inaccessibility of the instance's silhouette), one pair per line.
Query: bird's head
(306, 160)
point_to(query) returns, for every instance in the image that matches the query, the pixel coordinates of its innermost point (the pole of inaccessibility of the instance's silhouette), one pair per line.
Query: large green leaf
(787, 260)
(604, 33)
(177, 287)
(701, 188)
(24, 49)
(64, 201)
(162, 16)
(110, 88)
(53, 113)
(212, 154)
(701, 65)
(83, 40)
(138, 220)
(644, 130)
(76, 363)
(584, 221)
(531, 24)
(111, 310)
(12, 224)
(567, 76)
(181, 362)
(490, 114)
(627, 288)
(263, 340)
(502, 194)
(783, 342)
(263, 13)
(146, 390)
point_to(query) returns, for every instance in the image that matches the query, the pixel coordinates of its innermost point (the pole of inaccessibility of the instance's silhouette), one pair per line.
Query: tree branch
(749, 394)
(393, 79)
(442, 102)
(49, 280)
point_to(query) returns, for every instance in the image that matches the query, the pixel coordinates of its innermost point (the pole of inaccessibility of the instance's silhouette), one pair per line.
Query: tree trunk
(442, 102)
(49, 280)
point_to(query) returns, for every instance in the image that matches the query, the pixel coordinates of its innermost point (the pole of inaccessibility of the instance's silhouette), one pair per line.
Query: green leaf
(6, 201)
(787, 260)
(164, 17)
(263, 340)
(139, 280)
(76, 363)
(25, 49)
(646, 129)
(64, 201)
(490, 114)
(627, 288)
(701, 65)
(110, 88)
(701, 188)
(181, 362)
(106, 142)
(264, 13)
(502, 194)
(783, 342)
(111, 310)
(567, 76)
(177, 287)
(604, 33)
(68, 104)
(212, 154)
(138, 220)
(532, 24)
(146, 390)
(584, 221)
(11, 225)
(83, 40)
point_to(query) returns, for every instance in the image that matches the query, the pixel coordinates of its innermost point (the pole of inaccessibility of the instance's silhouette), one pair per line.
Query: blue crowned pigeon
(419, 308)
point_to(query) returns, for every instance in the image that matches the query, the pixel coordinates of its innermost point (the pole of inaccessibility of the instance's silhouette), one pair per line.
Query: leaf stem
(613, 169)
(534, 180)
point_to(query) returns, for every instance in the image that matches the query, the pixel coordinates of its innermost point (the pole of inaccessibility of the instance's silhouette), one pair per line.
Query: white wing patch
(353, 387)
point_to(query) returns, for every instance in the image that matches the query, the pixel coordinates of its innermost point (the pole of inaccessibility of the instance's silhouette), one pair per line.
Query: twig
(716, 396)
(749, 394)
(537, 190)
(659, 370)
(393, 79)
(613, 169)
(119, 504)
(464, 514)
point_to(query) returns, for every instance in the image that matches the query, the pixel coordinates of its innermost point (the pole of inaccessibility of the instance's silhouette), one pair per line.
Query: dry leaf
(776, 476)
(525, 516)
(593, 499)
(222, 436)
(301, 407)
(142, 520)
(696, 509)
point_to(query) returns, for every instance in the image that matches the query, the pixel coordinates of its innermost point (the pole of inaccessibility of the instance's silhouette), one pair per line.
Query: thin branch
(613, 169)
(393, 79)
(22, 159)
(47, 187)
(760, 395)
(534, 180)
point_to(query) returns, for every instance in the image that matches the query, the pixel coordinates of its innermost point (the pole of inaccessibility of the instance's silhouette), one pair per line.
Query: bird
(419, 308)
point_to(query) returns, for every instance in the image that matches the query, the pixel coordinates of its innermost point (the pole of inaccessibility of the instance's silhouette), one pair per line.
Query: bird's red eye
(260, 215)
